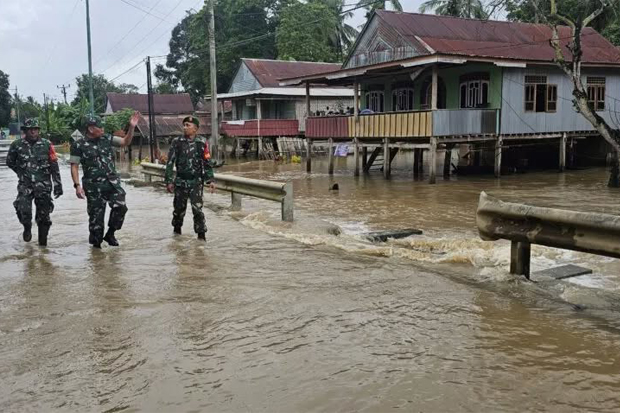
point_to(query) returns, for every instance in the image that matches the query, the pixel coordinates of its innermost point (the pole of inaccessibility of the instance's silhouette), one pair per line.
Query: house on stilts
(263, 111)
(488, 88)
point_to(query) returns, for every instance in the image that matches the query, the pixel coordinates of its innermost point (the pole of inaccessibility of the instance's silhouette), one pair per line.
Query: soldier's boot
(92, 240)
(201, 236)
(177, 230)
(110, 238)
(27, 233)
(43, 231)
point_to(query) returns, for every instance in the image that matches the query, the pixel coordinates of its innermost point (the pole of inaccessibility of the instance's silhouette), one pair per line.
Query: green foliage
(372, 5)
(304, 33)
(5, 99)
(55, 122)
(165, 88)
(117, 121)
(472, 9)
(101, 86)
(29, 108)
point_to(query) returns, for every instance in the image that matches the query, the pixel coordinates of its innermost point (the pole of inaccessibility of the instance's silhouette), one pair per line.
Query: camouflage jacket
(192, 161)
(34, 162)
(97, 159)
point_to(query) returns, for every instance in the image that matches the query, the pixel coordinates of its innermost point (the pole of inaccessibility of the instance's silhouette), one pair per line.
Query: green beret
(192, 119)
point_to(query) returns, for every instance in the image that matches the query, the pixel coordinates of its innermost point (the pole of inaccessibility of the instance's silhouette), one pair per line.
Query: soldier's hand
(212, 187)
(134, 119)
(79, 192)
(170, 188)
(58, 192)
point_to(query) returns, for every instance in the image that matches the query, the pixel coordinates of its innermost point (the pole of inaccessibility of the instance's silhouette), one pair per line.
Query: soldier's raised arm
(209, 176)
(126, 140)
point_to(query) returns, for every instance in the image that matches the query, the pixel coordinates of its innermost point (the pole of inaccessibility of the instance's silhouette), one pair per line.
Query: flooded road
(270, 316)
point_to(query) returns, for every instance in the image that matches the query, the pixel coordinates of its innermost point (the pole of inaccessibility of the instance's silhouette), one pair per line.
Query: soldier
(102, 183)
(34, 161)
(190, 155)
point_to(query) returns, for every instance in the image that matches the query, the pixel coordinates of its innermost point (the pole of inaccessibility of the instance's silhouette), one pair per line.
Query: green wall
(451, 80)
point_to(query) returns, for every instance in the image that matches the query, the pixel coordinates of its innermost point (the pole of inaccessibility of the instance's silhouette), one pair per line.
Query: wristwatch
(75, 185)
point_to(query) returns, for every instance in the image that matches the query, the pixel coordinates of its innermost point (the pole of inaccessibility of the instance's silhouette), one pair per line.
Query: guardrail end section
(287, 202)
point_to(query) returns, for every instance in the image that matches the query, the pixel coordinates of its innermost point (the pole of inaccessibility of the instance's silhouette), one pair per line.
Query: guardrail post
(147, 178)
(520, 258)
(287, 203)
(235, 201)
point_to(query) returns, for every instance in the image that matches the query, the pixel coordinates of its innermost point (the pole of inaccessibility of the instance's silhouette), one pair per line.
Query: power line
(146, 12)
(126, 34)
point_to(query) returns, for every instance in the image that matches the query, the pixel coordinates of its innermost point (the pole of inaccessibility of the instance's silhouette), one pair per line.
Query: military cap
(32, 123)
(192, 119)
(93, 121)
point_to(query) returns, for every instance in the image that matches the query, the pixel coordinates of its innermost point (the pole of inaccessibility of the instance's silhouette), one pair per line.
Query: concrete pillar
(520, 258)
(434, 88)
(447, 160)
(308, 155)
(498, 156)
(307, 99)
(356, 157)
(432, 161)
(330, 156)
(386, 158)
(563, 152)
(259, 150)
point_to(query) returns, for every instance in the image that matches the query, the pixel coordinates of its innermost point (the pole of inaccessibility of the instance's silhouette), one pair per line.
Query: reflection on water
(291, 317)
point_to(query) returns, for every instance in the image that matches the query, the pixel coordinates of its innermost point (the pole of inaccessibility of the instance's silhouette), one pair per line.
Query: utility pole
(47, 115)
(213, 69)
(64, 91)
(152, 134)
(19, 122)
(90, 63)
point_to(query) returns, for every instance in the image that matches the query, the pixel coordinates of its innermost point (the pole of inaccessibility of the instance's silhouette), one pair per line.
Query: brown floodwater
(272, 316)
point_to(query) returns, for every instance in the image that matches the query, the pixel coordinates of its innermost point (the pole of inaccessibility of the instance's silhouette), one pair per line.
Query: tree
(5, 99)
(572, 69)
(305, 31)
(101, 86)
(471, 9)
(128, 88)
(165, 88)
(372, 5)
(29, 108)
(342, 35)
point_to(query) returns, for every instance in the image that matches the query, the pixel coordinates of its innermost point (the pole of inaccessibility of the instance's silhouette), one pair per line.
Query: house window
(596, 92)
(426, 94)
(475, 94)
(374, 101)
(539, 95)
(402, 99)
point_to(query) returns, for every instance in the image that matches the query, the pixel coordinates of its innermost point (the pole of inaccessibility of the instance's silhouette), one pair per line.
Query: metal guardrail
(524, 225)
(274, 191)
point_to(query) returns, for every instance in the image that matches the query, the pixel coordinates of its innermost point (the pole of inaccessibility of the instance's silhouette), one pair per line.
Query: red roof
(495, 39)
(269, 72)
(178, 104)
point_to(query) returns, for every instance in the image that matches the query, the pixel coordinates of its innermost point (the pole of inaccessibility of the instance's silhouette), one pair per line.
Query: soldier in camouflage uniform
(190, 155)
(102, 184)
(34, 161)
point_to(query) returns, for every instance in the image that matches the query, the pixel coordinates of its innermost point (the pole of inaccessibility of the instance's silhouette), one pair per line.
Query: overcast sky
(43, 42)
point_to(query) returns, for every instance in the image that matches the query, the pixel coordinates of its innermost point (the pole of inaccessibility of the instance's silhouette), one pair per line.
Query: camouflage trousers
(41, 193)
(97, 195)
(194, 193)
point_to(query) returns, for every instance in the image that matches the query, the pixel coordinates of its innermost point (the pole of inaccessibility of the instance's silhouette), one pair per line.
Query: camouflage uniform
(101, 183)
(192, 161)
(36, 165)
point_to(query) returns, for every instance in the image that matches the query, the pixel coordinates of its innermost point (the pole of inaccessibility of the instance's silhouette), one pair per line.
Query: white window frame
(473, 93)
(375, 101)
(404, 98)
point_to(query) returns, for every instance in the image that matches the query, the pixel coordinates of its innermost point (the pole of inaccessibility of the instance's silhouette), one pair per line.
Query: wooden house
(443, 82)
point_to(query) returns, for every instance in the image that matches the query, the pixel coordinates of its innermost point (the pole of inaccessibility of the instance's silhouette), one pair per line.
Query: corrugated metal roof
(172, 125)
(179, 103)
(269, 72)
(495, 39)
